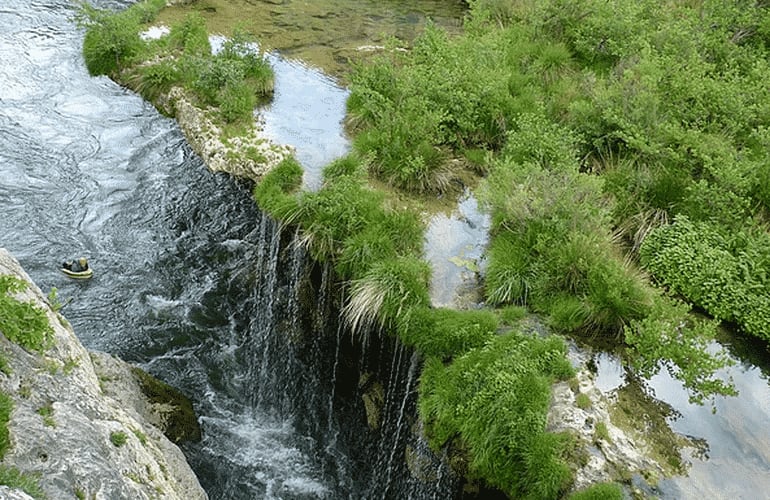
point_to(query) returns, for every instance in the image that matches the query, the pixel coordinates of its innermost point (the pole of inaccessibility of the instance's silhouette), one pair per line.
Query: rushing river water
(193, 284)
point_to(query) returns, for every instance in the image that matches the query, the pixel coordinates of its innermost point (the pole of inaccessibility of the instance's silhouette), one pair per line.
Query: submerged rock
(80, 421)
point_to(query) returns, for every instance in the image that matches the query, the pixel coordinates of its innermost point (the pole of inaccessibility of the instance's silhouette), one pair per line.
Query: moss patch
(181, 424)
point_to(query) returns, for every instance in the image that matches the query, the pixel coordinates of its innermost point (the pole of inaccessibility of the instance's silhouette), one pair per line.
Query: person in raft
(76, 266)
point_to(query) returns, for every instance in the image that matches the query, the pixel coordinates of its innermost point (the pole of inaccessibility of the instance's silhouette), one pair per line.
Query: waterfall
(303, 367)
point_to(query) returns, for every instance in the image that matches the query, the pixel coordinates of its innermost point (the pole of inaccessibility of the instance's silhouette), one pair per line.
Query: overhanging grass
(494, 400)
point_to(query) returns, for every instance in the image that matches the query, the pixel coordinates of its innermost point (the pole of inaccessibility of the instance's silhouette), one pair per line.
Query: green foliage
(413, 113)
(724, 273)
(156, 79)
(582, 401)
(237, 102)
(494, 400)
(118, 438)
(22, 322)
(141, 436)
(388, 233)
(273, 193)
(447, 333)
(388, 293)
(601, 491)
(190, 36)
(46, 412)
(552, 247)
(111, 40)
(335, 213)
(6, 407)
(28, 483)
(673, 339)
(510, 315)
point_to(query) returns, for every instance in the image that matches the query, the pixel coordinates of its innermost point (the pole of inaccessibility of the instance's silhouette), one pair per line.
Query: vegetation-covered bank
(625, 156)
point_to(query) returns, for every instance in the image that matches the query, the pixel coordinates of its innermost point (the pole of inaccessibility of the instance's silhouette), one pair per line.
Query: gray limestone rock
(81, 422)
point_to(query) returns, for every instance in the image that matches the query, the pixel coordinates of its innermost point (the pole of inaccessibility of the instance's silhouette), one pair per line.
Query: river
(195, 286)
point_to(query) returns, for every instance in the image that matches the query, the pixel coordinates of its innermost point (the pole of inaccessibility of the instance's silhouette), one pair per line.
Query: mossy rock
(180, 424)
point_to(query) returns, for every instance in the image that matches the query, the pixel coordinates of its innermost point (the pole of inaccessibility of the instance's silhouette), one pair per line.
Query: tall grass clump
(726, 274)
(22, 322)
(492, 402)
(6, 407)
(275, 192)
(388, 293)
(447, 333)
(335, 213)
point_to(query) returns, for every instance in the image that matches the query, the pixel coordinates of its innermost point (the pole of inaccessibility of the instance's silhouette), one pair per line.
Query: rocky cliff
(82, 422)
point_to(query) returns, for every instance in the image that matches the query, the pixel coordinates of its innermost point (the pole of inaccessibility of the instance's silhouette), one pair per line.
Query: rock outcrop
(249, 156)
(81, 422)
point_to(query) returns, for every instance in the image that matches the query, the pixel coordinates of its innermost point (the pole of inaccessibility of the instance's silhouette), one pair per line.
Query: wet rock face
(82, 424)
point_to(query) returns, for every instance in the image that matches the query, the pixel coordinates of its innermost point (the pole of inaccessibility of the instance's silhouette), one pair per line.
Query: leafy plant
(494, 400)
(118, 438)
(22, 322)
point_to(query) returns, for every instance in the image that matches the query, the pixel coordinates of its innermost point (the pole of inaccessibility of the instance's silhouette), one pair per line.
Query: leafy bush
(494, 400)
(111, 40)
(725, 274)
(190, 36)
(237, 102)
(22, 322)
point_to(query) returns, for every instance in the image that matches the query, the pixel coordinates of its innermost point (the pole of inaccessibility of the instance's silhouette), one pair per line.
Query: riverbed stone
(81, 440)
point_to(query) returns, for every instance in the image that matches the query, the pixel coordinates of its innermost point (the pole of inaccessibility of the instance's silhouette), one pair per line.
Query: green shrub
(494, 400)
(118, 438)
(256, 69)
(671, 338)
(722, 273)
(237, 102)
(190, 36)
(111, 40)
(22, 322)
